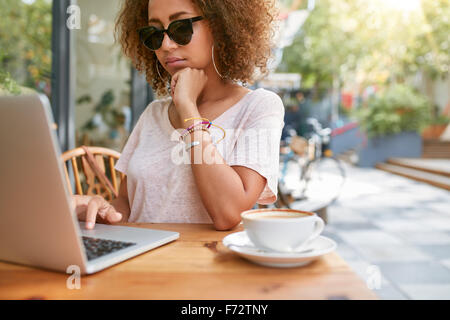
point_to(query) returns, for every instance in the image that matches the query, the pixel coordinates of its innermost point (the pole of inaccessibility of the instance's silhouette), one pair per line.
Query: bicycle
(316, 176)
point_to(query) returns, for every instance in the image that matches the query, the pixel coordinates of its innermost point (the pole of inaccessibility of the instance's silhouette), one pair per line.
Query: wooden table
(196, 266)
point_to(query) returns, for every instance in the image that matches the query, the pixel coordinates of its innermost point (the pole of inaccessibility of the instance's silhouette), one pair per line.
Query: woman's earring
(157, 69)
(169, 89)
(214, 63)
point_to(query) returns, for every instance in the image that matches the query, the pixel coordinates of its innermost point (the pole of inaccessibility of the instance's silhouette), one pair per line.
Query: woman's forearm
(219, 185)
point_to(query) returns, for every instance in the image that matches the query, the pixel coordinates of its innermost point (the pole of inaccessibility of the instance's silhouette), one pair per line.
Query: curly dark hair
(243, 32)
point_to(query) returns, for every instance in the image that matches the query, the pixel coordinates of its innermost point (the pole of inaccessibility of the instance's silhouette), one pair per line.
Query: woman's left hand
(187, 84)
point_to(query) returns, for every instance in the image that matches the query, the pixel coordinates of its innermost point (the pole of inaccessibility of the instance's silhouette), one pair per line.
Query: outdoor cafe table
(196, 266)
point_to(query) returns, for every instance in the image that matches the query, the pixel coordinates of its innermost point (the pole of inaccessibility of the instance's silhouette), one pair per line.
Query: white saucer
(240, 243)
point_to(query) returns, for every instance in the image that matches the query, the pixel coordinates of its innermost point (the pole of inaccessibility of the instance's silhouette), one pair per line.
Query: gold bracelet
(193, 130)
(211, 124)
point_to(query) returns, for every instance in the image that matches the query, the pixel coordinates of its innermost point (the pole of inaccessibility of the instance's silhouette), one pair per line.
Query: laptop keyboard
(96, 247)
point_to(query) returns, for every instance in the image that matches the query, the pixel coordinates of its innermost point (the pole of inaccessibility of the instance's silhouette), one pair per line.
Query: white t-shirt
(160, 182)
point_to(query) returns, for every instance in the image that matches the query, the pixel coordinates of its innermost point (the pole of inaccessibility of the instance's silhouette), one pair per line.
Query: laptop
(37, 225)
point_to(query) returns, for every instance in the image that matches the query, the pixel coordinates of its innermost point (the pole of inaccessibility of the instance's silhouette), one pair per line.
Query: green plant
(25, 42)
(399, 108)
(109, 115)
(8, 85)
(440, 120)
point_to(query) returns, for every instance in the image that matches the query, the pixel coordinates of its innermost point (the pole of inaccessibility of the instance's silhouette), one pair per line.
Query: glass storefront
(97, 97)
(103, 78)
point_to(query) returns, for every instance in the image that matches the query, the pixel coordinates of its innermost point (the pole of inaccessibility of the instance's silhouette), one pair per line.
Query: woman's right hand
(95, 209)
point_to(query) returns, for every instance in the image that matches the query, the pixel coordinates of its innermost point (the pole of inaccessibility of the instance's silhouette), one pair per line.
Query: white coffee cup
(283, 230)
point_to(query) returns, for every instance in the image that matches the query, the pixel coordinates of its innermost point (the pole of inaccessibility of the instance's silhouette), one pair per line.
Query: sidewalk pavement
(396, 230)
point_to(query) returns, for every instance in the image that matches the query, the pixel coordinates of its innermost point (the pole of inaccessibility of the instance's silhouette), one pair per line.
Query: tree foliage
(25, 42)
(429, 50)
(369, 42)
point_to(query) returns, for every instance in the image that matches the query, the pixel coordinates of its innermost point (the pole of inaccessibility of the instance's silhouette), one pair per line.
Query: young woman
(196, 54)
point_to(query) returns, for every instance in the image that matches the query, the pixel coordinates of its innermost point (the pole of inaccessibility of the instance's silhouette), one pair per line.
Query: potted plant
(7, 84)
(436, 128)
(392, 121)
(106, 118)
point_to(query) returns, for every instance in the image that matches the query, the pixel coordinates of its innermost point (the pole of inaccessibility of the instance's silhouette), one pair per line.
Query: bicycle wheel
(290, 182)
(324, 180)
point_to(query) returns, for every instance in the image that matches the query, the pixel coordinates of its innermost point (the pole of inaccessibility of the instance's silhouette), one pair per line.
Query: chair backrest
(94, 183)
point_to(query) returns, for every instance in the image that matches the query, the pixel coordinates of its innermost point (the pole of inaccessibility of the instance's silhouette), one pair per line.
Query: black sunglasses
(179, 31)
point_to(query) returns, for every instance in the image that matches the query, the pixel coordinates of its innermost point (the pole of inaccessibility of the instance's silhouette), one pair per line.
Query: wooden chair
(91, 160)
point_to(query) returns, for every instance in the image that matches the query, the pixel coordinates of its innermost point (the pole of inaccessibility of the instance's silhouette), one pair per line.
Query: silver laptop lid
(37, 225)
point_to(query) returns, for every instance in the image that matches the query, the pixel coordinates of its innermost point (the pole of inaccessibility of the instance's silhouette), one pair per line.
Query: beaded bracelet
(210, 124)
(192, 130)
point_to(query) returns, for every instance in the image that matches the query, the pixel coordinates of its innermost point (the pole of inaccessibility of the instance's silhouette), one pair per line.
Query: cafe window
(65, 49)
(103, 78)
